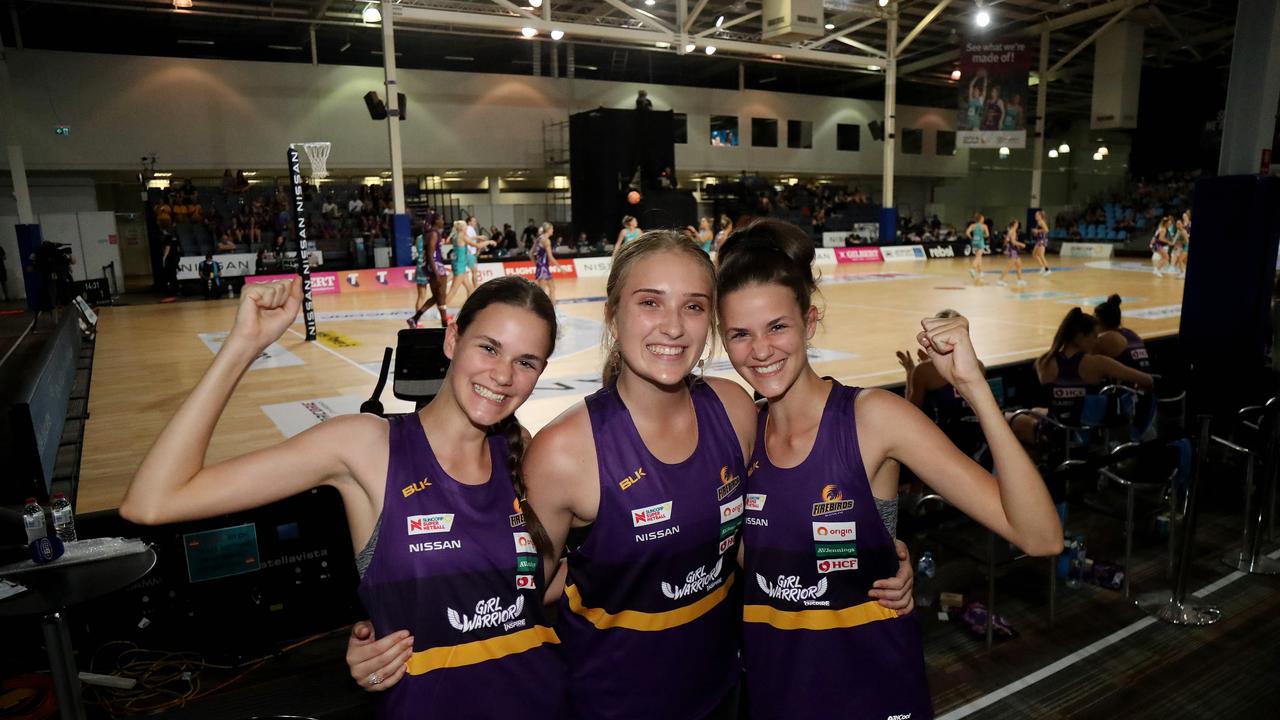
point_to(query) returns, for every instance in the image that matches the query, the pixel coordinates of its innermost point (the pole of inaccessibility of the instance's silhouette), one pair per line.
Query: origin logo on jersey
(731, 510)
(427, 524)
(524, 542)
(651, 515)
(837, 564)
(755, 502)
(835, 532)
(832, 502)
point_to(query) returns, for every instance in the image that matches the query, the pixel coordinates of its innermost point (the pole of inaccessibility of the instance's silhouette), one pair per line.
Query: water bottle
(1073, 562)
(64, 518)
(33, 520)
(925, 570)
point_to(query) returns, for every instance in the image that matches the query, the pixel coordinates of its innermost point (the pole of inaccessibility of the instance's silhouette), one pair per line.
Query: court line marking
(917, 313)
(335, 353)
(21, 337)
(995, 696)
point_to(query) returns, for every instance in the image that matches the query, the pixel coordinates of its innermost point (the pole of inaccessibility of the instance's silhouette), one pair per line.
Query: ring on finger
(374, 679)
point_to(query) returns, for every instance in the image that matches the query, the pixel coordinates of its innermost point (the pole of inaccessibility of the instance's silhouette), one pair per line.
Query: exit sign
(61, 130)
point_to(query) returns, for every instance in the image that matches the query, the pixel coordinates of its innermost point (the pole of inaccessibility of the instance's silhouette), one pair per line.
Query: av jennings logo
(788, 588)
(489, 614)
(832, 502)
(697, 581)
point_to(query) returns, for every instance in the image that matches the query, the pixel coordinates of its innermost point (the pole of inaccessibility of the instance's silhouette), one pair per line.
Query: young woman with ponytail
(822, 493)
(448, 547)
(1072, 371)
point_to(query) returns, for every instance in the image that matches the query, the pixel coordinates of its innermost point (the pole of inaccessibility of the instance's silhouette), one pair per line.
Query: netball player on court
(1072, 371)
(1011, 247)
(977, 234)
(647, 622)
(463, 244)
(543, 259)
(430, 272)
(824, 467)
(630, 231)
(726, 229)
(1160, 242)
(1041, 234)
(433, 500)
(705, 236)
(1178, 250)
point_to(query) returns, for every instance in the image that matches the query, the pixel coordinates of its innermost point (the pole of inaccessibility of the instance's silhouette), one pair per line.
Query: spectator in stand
(355, 205)
(283, 222)
(164, 213)
(330, 207)
(242, 182)
(509, 238)
(529, 235)
(726, 229)
(181, 211)
(226, 243)
(195, 211)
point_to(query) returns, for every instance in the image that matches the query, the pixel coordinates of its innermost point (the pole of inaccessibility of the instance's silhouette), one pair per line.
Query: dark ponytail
(518, 292)
(1075, 324)
(768, 252)
(1108, 313)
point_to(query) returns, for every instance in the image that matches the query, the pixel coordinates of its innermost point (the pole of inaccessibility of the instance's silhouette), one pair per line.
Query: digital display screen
(220, 553)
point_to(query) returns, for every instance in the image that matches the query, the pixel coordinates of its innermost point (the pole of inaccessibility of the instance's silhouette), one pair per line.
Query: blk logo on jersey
(427, 524)
(837, 564)
(524, 542)
(728, 483)
(834, 531)
(631, 479)
(412, 488)
(755, 502)
(832, 502)
(651, 515)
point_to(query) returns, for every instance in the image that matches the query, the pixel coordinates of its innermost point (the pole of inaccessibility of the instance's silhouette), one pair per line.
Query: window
(764, 132)
(912, 141)
(800, 134)
(680, 128)
(724, 130)
(848, 137)
(946, 142)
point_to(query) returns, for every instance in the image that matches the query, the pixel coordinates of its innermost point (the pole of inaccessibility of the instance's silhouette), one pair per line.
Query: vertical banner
(300, 224)
(993, 95)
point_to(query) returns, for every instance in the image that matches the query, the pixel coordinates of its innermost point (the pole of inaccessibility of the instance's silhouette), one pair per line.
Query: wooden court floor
(149, 356)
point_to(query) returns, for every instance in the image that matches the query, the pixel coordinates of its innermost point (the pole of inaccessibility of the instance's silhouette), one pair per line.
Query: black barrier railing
(39, 413)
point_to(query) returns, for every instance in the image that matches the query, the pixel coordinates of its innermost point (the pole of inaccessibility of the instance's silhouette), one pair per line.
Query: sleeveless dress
(630, 234)
(1041, 235)
(1010, 250)
(1069, 392)
(979, 241)
(815, 646)
(541, 264)
(454, 565)
(649, 619)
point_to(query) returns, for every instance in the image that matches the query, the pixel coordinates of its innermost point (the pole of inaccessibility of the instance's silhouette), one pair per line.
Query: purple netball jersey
(649, 618)
(456, 567)
(814, 644)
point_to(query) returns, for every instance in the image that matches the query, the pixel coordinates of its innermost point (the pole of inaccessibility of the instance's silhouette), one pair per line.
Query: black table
(51, 591)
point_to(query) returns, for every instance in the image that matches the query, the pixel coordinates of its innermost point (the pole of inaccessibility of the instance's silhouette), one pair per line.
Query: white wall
(210, 114)
(51, 195)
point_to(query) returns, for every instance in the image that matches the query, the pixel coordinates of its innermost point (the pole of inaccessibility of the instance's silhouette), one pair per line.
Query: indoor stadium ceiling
(621, 39)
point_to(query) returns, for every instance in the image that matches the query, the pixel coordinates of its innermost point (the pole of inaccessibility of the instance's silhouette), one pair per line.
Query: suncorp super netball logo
(428, 524)
(652, 514)
(832, 502)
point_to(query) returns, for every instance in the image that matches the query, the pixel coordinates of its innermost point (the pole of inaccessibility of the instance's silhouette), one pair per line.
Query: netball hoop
(317, 156)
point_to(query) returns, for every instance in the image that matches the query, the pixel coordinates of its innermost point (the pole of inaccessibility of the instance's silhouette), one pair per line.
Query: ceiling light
(719, 21)
(830, 26)
(983, 18)
(1097, 156)
(711, 50)
(873, 68)
(650, 3)
(557, 34)
(883, 3)
(1053, 152)
(535, 3)
(663, 45)
(690, 48)
(528, 32)
(1064, 148)
(1103, 151)
(775, 56)
(371, 14)
(181, 4)
(345, 46)
(1004, 152)
(163, 174)
(285, 47)
(955, 74)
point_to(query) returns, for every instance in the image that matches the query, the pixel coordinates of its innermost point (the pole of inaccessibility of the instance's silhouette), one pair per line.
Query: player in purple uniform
(824, 466)
(1011, 247)
(543, 259)
(432, 497)
(1041, 234)
(430, 273)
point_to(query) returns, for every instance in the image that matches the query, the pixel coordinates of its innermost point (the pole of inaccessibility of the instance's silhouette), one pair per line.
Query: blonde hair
(649, 243)
(459, 228)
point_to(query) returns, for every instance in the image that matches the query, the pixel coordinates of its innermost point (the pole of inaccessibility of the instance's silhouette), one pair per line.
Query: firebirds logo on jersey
(789, 588)
(698, 581)
(489, 614)
(427, 524)
(728, 483)
(518, 518)
(832, 502)
(652, 514)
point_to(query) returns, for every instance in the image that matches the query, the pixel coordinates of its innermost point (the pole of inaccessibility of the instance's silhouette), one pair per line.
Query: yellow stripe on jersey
(436, 658)
(867, 612)
(637, 620)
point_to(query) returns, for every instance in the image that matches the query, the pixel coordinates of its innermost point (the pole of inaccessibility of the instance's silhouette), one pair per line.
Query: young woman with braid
(435, 502)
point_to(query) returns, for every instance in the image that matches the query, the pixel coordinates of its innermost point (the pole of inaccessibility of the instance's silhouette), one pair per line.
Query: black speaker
(377, 110)
(877, 129)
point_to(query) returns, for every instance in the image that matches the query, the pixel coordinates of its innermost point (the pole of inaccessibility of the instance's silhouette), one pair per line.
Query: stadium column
(888, 210)
(1253, 88)
(28, 233)
(401, 240)
(1042, 105)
